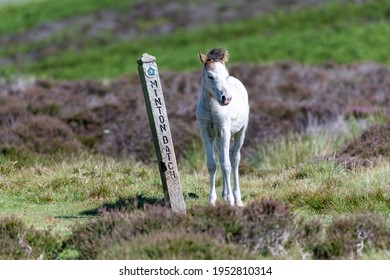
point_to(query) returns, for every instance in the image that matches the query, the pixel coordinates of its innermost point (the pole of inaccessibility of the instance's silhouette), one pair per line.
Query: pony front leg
(224, 142)
(208, 144)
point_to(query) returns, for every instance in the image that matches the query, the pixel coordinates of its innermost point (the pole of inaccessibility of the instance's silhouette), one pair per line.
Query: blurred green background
(75, 39)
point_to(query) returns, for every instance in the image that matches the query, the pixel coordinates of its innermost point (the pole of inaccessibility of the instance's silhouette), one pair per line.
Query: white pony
(222, 113)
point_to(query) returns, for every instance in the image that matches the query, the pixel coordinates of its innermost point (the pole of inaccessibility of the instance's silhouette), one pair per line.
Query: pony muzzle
(225, 100)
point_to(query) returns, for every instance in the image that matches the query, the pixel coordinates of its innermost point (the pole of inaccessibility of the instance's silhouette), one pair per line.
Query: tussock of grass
(317, 141)
(78, 179)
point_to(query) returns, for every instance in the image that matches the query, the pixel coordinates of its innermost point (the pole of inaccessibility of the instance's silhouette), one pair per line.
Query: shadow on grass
(125, 205)
(72, 217)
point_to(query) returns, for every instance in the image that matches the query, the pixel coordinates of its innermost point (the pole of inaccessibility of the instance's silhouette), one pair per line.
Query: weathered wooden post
(158, 120)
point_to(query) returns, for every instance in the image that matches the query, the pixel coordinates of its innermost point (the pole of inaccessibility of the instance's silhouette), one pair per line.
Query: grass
(15, 2)
(342, 33)
(18, 18)
(59, 217)
(57, 192)
(316, 142)
(66, 194)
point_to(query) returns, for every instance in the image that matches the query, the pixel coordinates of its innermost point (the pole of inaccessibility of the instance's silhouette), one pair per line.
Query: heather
(370, 147)
(109, 117)
(263, 229)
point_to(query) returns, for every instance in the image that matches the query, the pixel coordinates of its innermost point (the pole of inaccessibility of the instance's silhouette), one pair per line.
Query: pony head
(215, 74)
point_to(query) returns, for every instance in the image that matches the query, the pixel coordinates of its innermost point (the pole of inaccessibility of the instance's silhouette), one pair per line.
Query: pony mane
(218, 54)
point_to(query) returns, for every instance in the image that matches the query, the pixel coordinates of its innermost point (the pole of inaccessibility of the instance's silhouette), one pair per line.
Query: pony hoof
(212, 201)
(239, 204)
(228, 200)
(229, 203)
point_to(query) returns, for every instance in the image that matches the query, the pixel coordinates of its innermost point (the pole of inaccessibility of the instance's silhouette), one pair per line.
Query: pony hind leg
(235, 158)
(208, 144)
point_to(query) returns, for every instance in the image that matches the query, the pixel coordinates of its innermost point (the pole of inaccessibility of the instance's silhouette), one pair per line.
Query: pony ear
(202, 57)
(225, 57)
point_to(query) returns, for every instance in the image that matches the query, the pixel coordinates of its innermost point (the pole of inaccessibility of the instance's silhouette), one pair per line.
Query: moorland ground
(77, 161)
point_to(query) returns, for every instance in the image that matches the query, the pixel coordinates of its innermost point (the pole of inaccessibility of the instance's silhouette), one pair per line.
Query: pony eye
(211, 77)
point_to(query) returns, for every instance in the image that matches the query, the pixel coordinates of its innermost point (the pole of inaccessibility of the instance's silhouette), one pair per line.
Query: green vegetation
(301, 177)
(95, 206)
(343, 33)
(18, 18)
(53, 191)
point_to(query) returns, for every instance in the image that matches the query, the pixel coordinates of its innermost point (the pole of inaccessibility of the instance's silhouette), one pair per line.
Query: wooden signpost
(158, 120)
